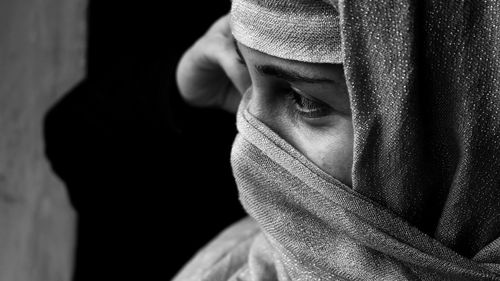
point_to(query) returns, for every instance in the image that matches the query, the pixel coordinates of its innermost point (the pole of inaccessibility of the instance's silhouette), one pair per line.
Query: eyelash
(308, 108)
(303, 106)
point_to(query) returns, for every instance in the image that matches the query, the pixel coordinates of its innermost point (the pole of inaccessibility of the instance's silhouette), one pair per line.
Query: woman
(368, 144)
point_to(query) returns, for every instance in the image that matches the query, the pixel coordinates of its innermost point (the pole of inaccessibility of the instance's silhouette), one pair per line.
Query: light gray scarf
(320, 229)
(424, 82)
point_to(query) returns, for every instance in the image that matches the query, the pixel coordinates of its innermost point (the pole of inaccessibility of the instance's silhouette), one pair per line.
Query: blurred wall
(149, 176)
(42, 48)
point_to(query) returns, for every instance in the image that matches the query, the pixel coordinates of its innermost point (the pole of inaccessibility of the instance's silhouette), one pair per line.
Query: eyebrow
(285, 74)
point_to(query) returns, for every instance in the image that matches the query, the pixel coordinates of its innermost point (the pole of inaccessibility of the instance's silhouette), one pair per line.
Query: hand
(209, 73)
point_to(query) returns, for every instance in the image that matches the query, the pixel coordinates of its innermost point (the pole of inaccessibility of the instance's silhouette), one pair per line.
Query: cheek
(330, 149)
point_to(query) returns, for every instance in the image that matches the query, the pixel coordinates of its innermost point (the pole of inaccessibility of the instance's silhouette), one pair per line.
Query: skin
(307, 104)
(208, 74)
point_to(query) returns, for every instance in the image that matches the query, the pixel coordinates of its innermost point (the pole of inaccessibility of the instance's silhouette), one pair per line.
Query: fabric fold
(300, 30)
(323, 228)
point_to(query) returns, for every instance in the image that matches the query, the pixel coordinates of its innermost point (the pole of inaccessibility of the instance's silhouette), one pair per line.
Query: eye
(307, 107)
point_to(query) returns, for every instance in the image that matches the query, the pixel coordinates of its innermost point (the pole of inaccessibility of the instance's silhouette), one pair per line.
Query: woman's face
(307, 104)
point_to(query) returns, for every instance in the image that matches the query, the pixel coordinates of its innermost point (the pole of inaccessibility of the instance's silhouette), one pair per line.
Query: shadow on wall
(149, 176)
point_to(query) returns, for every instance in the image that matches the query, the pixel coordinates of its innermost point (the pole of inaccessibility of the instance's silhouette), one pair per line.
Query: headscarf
(424, 85)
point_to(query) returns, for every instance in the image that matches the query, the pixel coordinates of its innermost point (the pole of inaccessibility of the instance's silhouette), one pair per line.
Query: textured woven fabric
(300, 30)
(423, 78)
(320, 229)
(425, 94)
(424, 83)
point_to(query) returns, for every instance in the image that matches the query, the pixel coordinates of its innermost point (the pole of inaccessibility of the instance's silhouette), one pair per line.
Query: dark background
(148, 175)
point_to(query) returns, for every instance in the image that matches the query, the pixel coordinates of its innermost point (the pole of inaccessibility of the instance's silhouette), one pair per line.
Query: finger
(238, 75)
(230, 63)
(222, 26)
(232, 100)
(225, 55)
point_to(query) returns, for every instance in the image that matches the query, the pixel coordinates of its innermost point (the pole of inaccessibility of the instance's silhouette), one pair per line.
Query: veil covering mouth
(424, 86)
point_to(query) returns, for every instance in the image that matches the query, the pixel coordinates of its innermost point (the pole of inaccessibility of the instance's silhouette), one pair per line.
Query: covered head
(424, 88)
(300, 30)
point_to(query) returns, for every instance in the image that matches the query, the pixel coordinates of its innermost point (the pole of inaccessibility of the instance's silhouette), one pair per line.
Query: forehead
(257, 59)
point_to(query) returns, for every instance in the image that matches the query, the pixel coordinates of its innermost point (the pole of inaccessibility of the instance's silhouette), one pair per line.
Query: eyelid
(307, 107)
(308, 97)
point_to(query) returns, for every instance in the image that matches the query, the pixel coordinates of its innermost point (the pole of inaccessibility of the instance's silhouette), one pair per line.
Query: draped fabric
(300, 30)
(424, 83)
(423, 78)
(320, 229)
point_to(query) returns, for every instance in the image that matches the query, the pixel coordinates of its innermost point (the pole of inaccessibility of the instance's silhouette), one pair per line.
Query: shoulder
(224, 256)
